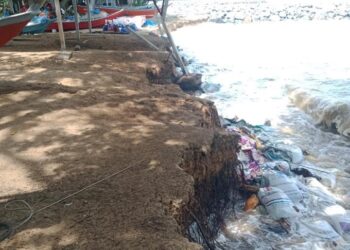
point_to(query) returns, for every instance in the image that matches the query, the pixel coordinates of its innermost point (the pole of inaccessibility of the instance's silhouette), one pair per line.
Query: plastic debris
(251, 203)
(277, 203)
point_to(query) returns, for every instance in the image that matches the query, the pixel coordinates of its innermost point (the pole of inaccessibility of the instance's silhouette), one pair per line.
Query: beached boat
(12, 26)
(37, 25)
(128, 11)
(95, 22)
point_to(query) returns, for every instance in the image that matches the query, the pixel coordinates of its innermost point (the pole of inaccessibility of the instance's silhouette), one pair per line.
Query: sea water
(294, 74)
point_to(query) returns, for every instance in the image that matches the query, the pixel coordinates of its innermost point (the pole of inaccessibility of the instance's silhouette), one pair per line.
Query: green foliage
(139, 2)
(3, 4)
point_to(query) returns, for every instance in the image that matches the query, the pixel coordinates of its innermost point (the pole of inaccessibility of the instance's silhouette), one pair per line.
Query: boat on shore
(12, 26)
(95, 22)
(128, 11)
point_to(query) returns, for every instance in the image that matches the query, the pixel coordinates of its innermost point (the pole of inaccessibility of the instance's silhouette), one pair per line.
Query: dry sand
(66, 124)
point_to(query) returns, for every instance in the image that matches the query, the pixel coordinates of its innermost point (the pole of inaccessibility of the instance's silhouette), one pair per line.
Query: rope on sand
(10, 230)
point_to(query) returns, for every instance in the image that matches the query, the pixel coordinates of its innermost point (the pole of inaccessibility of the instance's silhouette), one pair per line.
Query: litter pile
(121, 24)
(287, 198)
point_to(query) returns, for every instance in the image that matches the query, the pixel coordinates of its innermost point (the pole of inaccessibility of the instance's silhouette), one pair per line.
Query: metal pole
(59, 23)
(89, 15)
(76, 19)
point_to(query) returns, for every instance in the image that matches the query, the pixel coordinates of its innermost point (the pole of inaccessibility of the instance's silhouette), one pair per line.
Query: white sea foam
(331, 113)
(296, 75)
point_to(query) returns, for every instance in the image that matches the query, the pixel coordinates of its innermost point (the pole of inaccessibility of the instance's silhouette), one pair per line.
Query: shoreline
(66, 124)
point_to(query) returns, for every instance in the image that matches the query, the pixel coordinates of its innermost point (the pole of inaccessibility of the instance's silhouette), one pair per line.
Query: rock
(330, 14)
(64, 55)
(265, 14)
(190, 82)
(248, 19)
(153, 73)
(282, 14)
(77, 47)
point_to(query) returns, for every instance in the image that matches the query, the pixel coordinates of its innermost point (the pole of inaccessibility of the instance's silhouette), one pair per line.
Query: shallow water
(294, 74)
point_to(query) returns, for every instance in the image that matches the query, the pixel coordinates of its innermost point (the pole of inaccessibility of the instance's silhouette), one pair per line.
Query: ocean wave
(331, 114)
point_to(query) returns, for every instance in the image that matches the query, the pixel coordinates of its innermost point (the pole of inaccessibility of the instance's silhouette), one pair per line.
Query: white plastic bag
(277, 203)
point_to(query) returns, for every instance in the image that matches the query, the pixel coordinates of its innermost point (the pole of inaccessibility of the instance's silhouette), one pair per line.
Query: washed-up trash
(286, 184)
(149, 23)
(281, 166)
(341, 223)
(277, 203)
(251, 203)
(294, 152)
(273, 154)
(338, 217)
(328, 179)
(135, 21)
(305, 173)
(249, 188)
(318, 228)
(320, 191)
(246, 126)
(276, 178)
(247, 143)
(285, 152)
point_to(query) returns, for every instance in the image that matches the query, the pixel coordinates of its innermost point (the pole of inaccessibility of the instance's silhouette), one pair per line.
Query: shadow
(58, 136)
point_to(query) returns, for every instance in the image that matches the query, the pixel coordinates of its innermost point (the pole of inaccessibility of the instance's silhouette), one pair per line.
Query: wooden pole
(60, 26)
(170, 38)
(10, 3)
(89, 14)
(76, 19)
(143, 38)
(164, 9)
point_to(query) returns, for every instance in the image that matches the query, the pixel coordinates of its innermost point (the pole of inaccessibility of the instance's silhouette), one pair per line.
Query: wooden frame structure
(161, 11)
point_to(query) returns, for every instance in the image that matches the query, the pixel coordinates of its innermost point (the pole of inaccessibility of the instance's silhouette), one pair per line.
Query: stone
(282, 14)
(330, 14)
(153, 73)
(65, 55)
(190, 82)
(77, 47)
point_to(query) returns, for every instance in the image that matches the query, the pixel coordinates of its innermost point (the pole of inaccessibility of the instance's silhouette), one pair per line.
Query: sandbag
(341, 223)
(276, 178)
(286, 184)
(277, 203)
(282, 166)
(319, 190)
(294, 152)
(318, 228)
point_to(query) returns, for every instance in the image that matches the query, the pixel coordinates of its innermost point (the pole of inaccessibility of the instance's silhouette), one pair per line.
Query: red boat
(148, 12)
(12, 26)
(95, 23)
